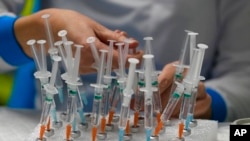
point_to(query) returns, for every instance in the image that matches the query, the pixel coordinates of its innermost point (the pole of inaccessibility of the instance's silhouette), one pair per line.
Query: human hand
(79, 28)
(203, 100)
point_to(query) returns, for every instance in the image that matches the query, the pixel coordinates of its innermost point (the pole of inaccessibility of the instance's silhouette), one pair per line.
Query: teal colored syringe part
(173, 100)
(91, 41)
(121, 134)
(52, 50)
(148, 134)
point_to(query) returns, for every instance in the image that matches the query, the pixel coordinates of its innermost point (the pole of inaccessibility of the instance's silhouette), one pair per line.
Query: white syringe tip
(90, 40)
(103, 50)
(69, 43)
(41, 41)
(192, 33)
(146, 56)
(44, 16)
(58, 43)
(133, 60)
(77, 45)
(31, 42)
(202, 46)
(127, 40)
(57, 58)
(62, 33)
(110, 40)
(119, 44)
(148, 38)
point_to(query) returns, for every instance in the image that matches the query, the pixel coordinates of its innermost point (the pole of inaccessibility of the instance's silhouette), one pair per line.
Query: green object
(6, 84)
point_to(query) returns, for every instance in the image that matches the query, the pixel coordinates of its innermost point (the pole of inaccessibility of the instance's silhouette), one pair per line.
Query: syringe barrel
(185, 106)
(71, 105)
(105, 100)
(96, 111)
(115, 97)
(79, 100)
(124, 115)
(148, 115)
(139, 96)
(193, 100)
(156, 98)
(47, 105)
(172, 102)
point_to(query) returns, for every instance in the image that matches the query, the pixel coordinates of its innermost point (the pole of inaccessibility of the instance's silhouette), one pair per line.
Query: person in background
(222, 24)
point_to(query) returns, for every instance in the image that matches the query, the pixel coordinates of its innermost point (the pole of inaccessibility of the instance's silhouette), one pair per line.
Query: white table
(17, 124)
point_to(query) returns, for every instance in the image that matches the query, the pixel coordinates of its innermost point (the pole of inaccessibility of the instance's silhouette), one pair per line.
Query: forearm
(234, 90)
(10, 49)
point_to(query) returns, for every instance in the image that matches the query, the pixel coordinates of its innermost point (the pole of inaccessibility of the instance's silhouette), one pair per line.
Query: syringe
(197, 78)
(139, 98)
(127, 93)
(91, 41)
(107, 80)
(185, 58)
(52, 50)
(98, 93)
(118, 86)
(58, 44)
(156, 94)
(72, 86)
(167, 112)
(50, 92)
(188, 83)
(148, 96)
(42, 74)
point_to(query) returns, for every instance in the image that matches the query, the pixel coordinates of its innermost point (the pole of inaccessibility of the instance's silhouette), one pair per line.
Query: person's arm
(229, 86)
(79, 28)
(9, 47)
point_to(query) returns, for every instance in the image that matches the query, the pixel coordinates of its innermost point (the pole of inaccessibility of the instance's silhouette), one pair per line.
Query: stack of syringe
(177, 87)
(118, 87)
(148, 96)
(107, 80)
(139, 96)
(127, 94)
(47, 87)
(187, 88)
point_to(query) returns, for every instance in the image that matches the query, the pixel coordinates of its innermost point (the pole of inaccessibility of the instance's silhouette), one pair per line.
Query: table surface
(17, 124)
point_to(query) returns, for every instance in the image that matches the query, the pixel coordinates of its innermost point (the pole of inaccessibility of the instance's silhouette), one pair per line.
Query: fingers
(203, 103)
(117, 35)
(166, 77)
